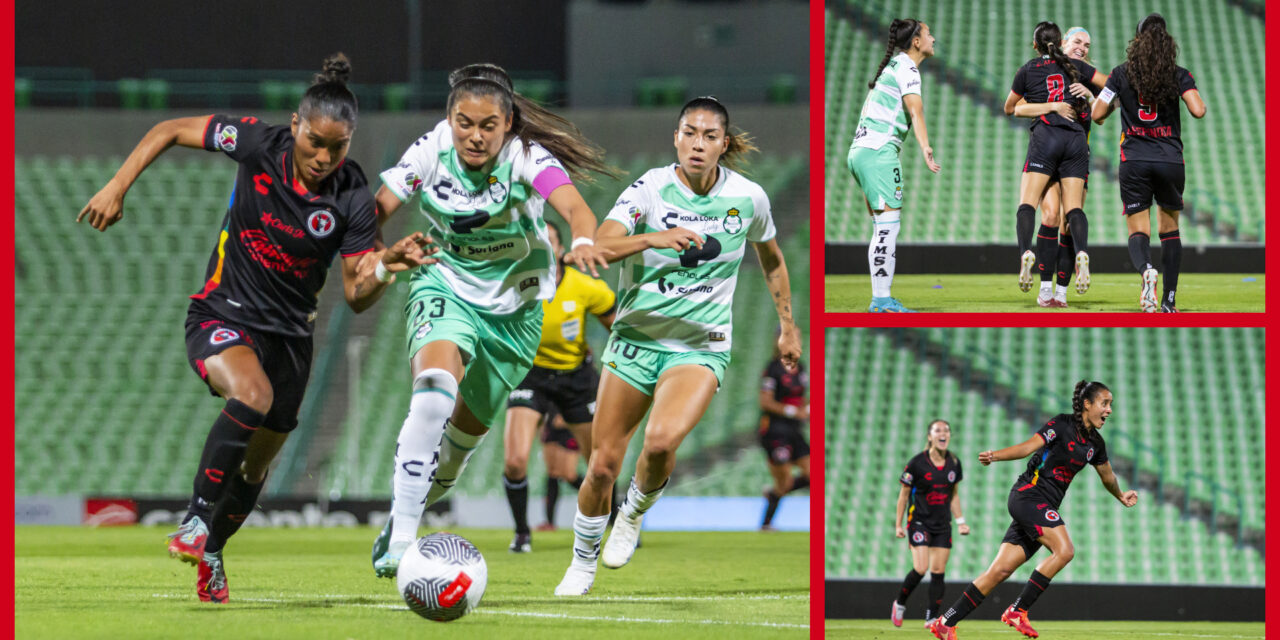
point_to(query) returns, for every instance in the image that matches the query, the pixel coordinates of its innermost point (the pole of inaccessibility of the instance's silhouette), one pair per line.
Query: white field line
(300, 597)
(558, 616)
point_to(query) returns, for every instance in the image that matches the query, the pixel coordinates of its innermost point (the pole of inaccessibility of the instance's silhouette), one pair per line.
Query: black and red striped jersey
(1042, 80)
(1151, 133)
(278, 239)
(787, 387)
(932, 488)
(1065, 453)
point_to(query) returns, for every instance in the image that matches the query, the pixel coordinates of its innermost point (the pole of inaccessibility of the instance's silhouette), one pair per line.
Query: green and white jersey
(495, 253)
(884, 118)
(683, 301)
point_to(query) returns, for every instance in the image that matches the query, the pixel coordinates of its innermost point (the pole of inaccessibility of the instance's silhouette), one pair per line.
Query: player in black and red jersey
(560, 453)
(1148, 85)
(297, 203)
(930, 496)
(784, 408)
(1063, 447)
(1049, 89)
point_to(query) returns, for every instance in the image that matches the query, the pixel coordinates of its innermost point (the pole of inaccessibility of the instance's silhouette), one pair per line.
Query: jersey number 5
(1055, 85)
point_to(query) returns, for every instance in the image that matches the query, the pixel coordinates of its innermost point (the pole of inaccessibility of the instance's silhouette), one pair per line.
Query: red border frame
(6, 320)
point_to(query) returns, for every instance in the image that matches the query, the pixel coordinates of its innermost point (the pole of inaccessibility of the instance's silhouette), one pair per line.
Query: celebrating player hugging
(298, 201)
(481, 179)
(680, 231)
(1062, 448)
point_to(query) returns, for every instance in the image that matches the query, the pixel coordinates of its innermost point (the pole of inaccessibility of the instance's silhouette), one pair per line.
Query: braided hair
(901, 32)
(1153, 62)
(1085, 390)
(531, 121)
(328, 95)
(740, 143)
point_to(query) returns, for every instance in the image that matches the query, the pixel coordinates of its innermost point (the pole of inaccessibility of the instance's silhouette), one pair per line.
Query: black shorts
(562, 437)
(783, 440)
(285, 359)
(1057, 152)
(1141, 181)
(921, 534)
(1032, 514)
(572, 392)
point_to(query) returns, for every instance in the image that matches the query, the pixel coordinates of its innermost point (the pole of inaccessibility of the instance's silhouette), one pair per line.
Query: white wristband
(382, 274)
(959, 520)
(790, 411)
(581, 242)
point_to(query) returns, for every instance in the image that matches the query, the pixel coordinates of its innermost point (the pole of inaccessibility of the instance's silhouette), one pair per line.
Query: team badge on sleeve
(1052, 516)
(1050, 435)
(227, 138)
(223, 336)
(906, 477)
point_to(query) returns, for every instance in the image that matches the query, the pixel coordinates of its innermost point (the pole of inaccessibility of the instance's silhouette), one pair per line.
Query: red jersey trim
(358, 253)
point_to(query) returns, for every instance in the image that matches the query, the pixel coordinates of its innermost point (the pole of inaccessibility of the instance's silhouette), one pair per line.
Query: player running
(1058, 149)
(298, 201)
(1062, 448)
(784, 408)
(481, 180)
(931, 486)
(560, 452)
(562, 377)
(893, 106)
(681, 231)
(1147, 86)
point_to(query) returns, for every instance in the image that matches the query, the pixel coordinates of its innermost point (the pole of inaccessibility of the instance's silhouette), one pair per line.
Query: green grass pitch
(1048, 629)
(1109, 292)
(75, 582)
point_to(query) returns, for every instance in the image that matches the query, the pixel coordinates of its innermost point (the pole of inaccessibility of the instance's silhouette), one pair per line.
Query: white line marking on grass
(561, 616)
(308, 597)
(1198, 635)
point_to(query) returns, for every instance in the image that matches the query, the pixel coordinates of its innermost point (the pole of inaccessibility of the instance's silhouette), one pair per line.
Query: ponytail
(900, 34)
(740, 142)
(1048, 41)
(1085, 390)
(328, 95)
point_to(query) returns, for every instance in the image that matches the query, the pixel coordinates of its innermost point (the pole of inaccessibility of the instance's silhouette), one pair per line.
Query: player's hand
(899, 531)
(987, 457)
(928, 159)
(410, 252)
(790, 348)
(1064, 109)
(1080, 91)
(1129, 498)
(964, 529)
(586, 257)
(105, 208)
(677, 238)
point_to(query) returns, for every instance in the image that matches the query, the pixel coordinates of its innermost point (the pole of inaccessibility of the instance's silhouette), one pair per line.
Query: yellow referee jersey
(564, 336)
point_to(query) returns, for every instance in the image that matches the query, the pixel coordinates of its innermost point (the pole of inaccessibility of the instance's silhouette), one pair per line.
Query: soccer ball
(442, 577)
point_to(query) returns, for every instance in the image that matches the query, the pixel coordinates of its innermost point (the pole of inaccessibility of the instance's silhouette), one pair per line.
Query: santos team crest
(497, 190)
(320, 223)
(732, 221)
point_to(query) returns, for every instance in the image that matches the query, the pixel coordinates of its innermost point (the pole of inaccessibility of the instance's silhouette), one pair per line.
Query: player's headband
(1074, 30)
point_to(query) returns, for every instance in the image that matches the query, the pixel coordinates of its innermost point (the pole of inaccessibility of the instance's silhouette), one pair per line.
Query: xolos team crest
(320, 223)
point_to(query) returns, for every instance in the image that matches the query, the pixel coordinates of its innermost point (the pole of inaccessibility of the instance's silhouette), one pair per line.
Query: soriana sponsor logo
(100, 512)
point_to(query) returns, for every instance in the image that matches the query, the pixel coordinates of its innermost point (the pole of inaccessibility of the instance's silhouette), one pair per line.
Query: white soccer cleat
(1082, 272)
(621, 544)
(1024, 272)
(1148, 300)
(577, 581)
(899, 612)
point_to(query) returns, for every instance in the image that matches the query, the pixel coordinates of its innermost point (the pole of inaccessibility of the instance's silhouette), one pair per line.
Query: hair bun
(337, 68)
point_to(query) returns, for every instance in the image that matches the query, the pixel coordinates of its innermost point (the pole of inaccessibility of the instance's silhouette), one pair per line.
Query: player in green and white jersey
(481, 181)
(680, 231)
(892, 107)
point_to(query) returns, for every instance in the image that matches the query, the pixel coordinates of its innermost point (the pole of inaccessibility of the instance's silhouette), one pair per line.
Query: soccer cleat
(211, 584)
(887, 305)
(929, 623)
(1024, 272)
(187, 543)
(942, 631)
(899, 612)
(577, 580)
(389, 562)
(522, 543)
(1045, 301)
(1082, 272)
(546, 526)
(1168, 308)
(1018, 620)
(621, 544)
(1060, 302)
(380, 543)
(1147, 299)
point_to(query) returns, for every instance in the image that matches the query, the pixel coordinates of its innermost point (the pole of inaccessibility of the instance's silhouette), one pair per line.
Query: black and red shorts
(783, 440)
(572, 392)
(1140, 182)
(1057, 152)
(285, 359)
(560, 436)
(1032, 514)
(922, 534)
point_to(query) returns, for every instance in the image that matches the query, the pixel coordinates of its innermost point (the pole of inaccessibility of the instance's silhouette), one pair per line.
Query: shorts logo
(227, 138)
(781, 454)
(528, 282)
(591, 408)
(223, 336)
(1052, 516)
(423, 330)
(897, 193)
(521, 395)
(1050, 435)
(732, 221)
(321, 223)
(716, 336)
(917, 537)
(497, 190)
(951, 476)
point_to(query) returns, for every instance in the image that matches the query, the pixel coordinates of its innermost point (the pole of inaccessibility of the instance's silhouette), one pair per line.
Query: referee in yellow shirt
(562, 376)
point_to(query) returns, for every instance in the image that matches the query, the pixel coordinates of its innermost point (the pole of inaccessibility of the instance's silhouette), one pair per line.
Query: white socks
(882, 252)
(456, 448)
(636, 503)
(435, 393)
(587, 532)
